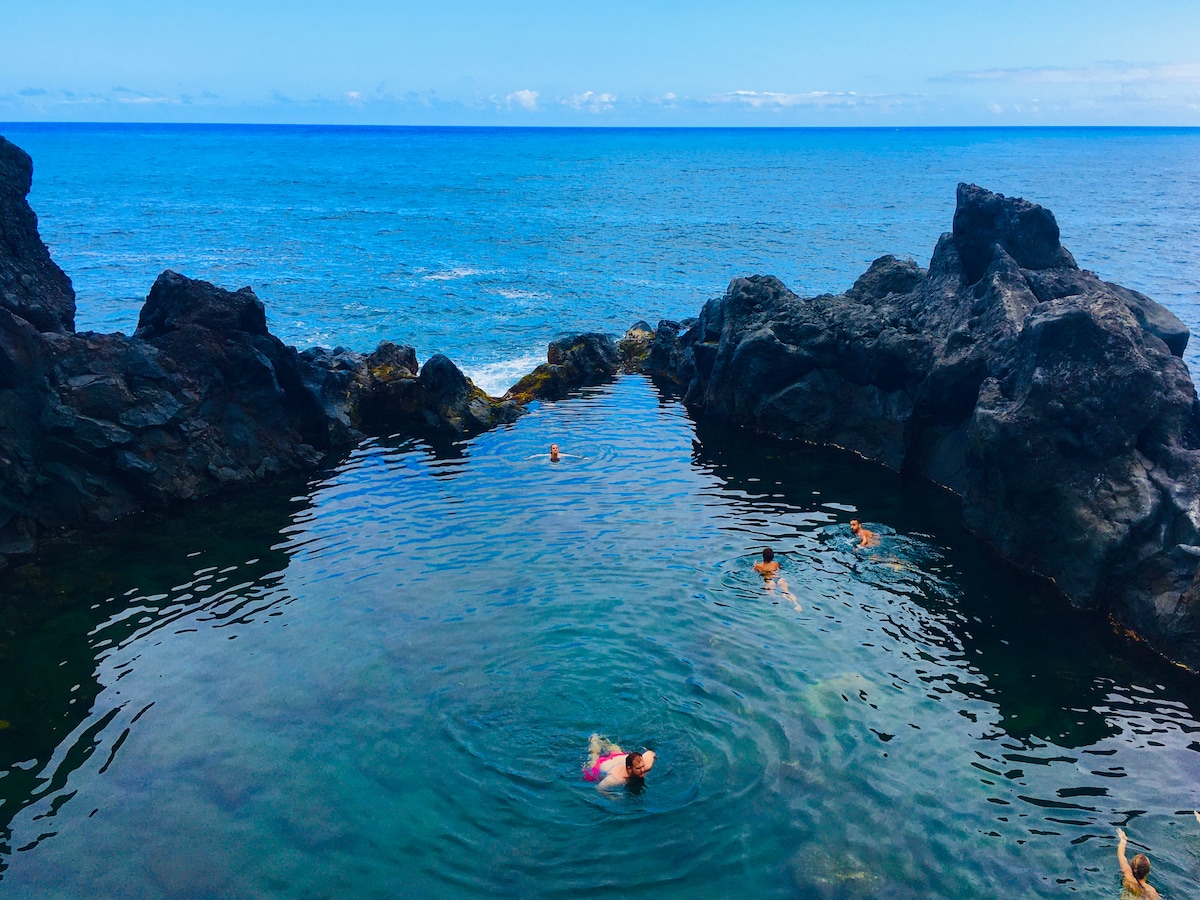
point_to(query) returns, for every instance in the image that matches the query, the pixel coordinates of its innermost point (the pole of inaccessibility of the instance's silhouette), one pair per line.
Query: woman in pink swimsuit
(610, 766)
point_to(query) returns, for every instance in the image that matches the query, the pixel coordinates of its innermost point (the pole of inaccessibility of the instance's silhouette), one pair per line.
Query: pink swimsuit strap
(593, 774)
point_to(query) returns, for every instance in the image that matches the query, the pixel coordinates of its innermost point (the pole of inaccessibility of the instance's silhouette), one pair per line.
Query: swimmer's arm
(610, 780)
(1126, 871)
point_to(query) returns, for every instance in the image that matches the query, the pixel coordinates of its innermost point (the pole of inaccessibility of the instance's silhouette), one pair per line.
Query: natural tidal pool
(381, 683)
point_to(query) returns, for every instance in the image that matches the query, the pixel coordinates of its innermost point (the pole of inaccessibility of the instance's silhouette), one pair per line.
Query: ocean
(380, 679)
(486, 244)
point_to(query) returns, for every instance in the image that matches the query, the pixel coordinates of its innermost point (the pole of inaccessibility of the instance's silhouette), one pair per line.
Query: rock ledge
(1056, 404)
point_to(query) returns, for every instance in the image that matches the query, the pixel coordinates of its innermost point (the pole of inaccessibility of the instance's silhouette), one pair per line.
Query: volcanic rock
(1056, 404)
(571, 363)
(31, 285)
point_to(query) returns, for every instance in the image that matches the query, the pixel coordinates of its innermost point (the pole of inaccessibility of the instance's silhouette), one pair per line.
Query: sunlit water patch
(383, 684)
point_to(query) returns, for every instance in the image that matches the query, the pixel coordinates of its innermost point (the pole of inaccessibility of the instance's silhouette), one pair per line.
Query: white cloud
(1107, 72)
(527, 100)
(590, 101)
(669, 100)
(780, 100)
(128, 95)
(354, 98)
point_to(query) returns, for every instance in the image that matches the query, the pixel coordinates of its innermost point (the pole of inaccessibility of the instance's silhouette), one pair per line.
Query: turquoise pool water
(382, 683)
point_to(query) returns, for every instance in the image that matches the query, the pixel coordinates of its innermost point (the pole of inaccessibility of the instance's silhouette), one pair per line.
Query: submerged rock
(1056, 404)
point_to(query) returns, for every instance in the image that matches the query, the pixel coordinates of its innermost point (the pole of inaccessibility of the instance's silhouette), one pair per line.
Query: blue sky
(468, 62)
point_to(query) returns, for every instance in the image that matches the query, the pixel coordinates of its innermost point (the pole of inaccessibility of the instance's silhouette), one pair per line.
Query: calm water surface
(382, 683)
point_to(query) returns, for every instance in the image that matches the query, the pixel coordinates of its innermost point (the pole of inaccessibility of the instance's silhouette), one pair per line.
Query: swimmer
(866, 538)
(768, 566)
(610, 766)
(769, 570)
(554, 453)
(1134, 872)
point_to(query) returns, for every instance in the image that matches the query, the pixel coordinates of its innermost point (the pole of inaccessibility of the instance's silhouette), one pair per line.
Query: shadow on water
(60, 616)
(1010, 625)
(90, 594)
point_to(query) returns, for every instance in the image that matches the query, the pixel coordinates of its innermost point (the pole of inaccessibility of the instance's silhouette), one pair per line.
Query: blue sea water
(485, 244)
(381, 680)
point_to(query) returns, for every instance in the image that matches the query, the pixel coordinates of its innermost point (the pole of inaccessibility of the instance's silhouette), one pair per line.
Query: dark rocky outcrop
(1056, 404)
(571, 363)
(201, 398)
(31, 285)
(634, 347)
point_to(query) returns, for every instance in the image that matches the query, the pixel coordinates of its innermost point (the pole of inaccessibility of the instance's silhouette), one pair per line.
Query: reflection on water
(383, 683)
(93, 602)
(1009, 626)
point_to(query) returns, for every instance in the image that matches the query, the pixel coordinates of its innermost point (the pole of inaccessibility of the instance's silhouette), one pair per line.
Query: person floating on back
(866, 538)
(1134, 872)
(610, 766)
(769, 570)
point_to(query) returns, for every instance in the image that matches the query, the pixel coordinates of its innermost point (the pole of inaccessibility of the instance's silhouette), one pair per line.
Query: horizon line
(507, 127)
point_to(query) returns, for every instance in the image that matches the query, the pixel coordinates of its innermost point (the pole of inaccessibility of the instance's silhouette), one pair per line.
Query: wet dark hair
(768, 554)
(1140, 866)
(630, 759)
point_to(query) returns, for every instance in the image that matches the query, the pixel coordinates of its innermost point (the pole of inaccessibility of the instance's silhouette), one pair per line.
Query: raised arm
(1126, 872)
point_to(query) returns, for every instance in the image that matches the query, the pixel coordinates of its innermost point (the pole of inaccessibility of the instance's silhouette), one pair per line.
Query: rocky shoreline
(1055, 404)
(202, 397)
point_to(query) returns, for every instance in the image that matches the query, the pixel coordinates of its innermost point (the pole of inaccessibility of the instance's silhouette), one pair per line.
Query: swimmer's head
(1140, 866)
(554, 451)
(855, 527)
(638, 764)
(768, 554)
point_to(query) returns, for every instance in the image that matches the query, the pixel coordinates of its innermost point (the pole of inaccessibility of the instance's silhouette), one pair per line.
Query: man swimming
(610, 766)
(768, 566)
(866, 538)
(769, 570)
(1134, 873)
